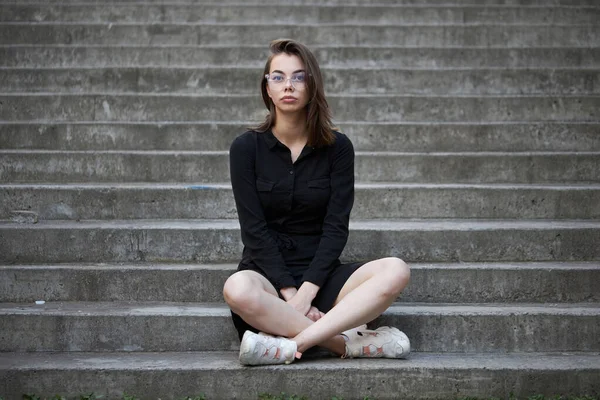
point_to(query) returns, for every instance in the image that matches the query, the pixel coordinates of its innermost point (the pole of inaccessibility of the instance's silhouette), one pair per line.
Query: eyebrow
(281, 72)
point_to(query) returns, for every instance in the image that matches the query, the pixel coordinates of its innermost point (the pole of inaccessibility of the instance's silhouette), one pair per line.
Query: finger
(317, 315)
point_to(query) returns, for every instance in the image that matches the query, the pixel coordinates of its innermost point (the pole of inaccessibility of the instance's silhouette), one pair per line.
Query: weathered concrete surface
(405, 3)
(366, 136)
(201, 167)
(43, 107)
(189, 201)
(24, 216)
(254, 56)
(219, 376)
(209, 241)
(117, 326)
(309, 34)
(489, 329)
(550, 282)
(297, 14)
(218, 81)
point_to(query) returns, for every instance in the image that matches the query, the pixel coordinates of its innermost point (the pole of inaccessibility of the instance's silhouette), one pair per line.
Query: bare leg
(368, 292)
(252, 297)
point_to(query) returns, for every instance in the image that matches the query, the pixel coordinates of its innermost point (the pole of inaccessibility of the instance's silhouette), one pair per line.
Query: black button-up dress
(294, 216)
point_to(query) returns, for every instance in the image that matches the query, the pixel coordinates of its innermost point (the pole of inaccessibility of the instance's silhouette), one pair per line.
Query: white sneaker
(263, 349)
(384, 342)
(353, 331)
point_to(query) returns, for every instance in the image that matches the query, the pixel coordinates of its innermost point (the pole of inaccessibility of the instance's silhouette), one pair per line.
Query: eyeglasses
(298, 80)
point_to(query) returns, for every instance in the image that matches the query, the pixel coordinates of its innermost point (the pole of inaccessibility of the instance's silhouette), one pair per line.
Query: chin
(291, 107)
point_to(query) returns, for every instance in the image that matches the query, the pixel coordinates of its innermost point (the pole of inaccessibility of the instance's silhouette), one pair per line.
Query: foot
(353, 331)
(384, 342)
(263, 349)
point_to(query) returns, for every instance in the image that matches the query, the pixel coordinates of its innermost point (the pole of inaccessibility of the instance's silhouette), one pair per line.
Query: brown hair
(318, 114)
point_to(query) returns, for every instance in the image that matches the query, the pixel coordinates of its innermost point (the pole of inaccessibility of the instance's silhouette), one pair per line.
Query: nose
(289, 84)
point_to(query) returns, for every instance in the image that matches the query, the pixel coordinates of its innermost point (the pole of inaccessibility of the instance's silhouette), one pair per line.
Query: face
(286, 95)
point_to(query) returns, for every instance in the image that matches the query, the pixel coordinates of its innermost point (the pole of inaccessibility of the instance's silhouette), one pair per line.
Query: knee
(240, 294)
(397, 275)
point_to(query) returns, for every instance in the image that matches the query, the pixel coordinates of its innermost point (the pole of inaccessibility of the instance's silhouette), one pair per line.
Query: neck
(290, 128)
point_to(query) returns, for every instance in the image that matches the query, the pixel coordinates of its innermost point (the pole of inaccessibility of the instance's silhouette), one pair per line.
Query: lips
(288, 98)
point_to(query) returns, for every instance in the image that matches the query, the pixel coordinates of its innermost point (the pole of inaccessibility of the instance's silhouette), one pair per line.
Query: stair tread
(383, 224)
(228, 360)
(554, 265)
(358, 185)
(185, 309)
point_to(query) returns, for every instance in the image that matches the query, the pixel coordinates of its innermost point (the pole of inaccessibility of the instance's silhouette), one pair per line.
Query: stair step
(217, 81)
(43, 107)
(550, 282)
(366, 136)
(406, 3)
(189, 201)
(117, 326)
(210, 241)
(310, 34)
(219, 376)
(128, 55)
(296, 14)
(211, 166)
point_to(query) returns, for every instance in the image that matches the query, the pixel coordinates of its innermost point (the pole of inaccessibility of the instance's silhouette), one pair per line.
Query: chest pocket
(267, 195)
(321, 183)
(263, 185)
(316, 195)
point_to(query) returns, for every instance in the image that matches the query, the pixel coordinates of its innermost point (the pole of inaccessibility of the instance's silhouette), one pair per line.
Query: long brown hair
(318, 114)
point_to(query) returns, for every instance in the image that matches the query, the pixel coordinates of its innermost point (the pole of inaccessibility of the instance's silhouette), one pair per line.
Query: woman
(293, 183)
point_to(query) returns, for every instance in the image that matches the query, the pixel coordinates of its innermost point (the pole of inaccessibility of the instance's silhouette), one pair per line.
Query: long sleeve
(255, 234)
(337, 218)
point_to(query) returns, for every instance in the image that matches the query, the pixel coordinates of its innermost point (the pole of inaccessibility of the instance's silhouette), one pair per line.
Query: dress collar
(270, 139)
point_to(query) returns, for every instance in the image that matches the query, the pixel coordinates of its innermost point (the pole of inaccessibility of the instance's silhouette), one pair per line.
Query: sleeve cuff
(283, 282)
(318, 280)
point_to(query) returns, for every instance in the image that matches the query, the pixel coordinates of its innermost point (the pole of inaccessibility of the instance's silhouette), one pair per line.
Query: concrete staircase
(477, 131)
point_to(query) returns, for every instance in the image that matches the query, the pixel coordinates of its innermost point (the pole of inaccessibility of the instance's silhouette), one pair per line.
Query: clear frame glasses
(298, 80)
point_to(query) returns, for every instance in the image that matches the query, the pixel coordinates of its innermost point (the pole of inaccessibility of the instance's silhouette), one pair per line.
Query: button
(291, 172)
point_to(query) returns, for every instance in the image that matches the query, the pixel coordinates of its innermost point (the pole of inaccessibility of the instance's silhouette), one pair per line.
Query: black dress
(293, 216)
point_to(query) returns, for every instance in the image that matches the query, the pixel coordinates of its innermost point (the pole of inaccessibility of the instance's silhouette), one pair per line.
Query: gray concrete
(550, 282)
(456, 328)
(189, 201)
(298, 14)
(405, 3)
(343, 35)
(383, 108)
(444, 92)
(24, 217)
(211, 241)
(218, 81)
(219, 376)
(366, 136)
(329, 56)
(200, 168)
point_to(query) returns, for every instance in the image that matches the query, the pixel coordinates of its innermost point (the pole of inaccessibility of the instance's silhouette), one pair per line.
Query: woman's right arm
(255, 235)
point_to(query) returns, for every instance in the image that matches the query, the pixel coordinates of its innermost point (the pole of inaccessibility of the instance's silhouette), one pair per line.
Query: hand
(300, 303)
(288, 292)
(314, 314)
(303, 298)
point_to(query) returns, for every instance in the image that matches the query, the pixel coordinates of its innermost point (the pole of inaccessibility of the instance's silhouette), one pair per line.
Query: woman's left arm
(337, 218)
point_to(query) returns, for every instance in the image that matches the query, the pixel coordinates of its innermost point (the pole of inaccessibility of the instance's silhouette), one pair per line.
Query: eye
(299, 78)
(277, 78)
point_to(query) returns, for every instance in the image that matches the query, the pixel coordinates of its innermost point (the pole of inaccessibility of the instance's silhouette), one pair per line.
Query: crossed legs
(366, 294)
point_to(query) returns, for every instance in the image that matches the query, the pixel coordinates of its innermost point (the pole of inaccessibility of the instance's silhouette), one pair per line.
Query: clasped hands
(302, 298)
